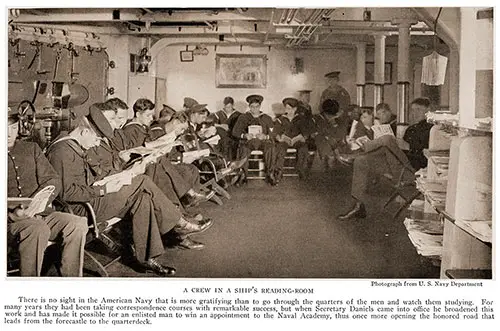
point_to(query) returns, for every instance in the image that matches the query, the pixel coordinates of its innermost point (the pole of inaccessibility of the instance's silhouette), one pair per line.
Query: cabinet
(457, 191)
(467, 237)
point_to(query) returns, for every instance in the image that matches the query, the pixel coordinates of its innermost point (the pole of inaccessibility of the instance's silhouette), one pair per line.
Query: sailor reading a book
(290, 130)
(32, 184)
(154, 219)
(224, 121)
(179, 182)
(253, 129)
(374, 152)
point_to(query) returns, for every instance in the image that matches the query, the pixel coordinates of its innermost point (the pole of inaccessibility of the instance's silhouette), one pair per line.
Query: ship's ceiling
(290, 27)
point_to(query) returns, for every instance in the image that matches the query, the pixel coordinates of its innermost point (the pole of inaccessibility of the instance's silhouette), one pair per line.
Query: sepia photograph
(283, 143)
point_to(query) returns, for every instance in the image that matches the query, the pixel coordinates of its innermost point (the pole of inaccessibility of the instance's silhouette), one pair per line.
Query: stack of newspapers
(425, 233)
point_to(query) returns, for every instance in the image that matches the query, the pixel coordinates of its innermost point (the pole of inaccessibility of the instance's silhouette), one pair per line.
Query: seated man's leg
(245, 148)
(72, 230)
(32, 235)
(360, 181)
(323, 146)
(390, 143)
(279, 159)
(302, 158)
(157, 173)
(190, 174)
(267, 146)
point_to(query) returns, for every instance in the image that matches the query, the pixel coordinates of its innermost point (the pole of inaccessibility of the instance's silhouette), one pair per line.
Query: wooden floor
(291, 231)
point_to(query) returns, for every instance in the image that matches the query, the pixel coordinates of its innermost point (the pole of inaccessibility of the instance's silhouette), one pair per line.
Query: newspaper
(36, 205)
(168, 138)
(214, 140)
(124, 177)
(382, 130)
(353, 129)
(191, 156)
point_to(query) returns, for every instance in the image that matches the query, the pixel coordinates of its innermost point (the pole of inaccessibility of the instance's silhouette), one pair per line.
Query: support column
(403, 111)
(360, 73)
(379, 75)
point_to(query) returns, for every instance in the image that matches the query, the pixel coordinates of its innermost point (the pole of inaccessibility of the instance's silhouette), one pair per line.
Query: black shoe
(190, 228)
(193, 218)
(242, 180)
(152, 265)
(188, 243)
(358, 211)
(196, 198)
(278, 175)
(345, 159)
(271, 178)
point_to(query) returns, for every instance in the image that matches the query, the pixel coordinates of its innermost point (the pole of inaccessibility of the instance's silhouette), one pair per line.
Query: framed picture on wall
(370, 73)
(187, 56)
(241, 70)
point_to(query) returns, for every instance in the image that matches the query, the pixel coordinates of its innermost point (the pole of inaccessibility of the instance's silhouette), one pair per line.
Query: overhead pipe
(310, 29)
(311, 20)
(270, 26)
(284, 15)
(291, 16)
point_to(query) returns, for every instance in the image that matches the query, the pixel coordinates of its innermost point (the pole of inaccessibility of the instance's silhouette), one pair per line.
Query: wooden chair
(400, 187)
(213, 169)
(13, 257)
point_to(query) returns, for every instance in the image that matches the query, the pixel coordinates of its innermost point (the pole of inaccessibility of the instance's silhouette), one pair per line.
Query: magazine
(35, 205)
(255, 129)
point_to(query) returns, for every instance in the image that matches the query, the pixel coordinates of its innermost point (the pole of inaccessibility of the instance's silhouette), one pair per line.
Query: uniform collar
(133, 121)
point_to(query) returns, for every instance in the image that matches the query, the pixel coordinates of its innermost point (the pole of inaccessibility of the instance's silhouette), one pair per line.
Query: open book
(255, 129)
(382, 130)
(124, 177)
(35, 205)
(292, 141)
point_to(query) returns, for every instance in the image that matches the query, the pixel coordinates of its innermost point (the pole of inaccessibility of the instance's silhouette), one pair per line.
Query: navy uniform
(28, 172)
(305, 107)
(174, 180)
(417, 136)
(246, 146)
(336, 92)
(291, 128)
(154, 218)
(330, 129)
(224, 123)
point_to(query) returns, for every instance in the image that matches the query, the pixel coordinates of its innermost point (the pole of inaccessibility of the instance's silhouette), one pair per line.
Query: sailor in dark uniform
(177, 181)
(329, 131)
(304, 101)
(224, 121)
(335, 91)
(29, 172)
(260, 139)
(154, 219)
(291, 124)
